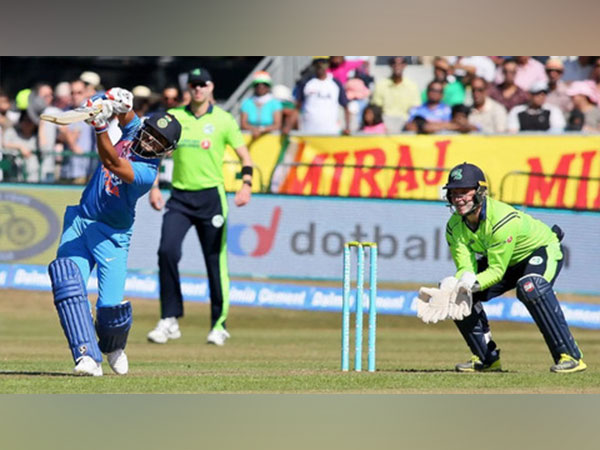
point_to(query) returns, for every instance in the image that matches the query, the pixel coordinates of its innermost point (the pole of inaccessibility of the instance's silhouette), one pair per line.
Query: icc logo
(265, 236)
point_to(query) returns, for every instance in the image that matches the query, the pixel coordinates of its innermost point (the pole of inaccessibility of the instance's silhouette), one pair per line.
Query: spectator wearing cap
(487, 115)
(536, 115)
(91, 81)
(483, 66)
(507, 93)
(557, 89)
(585, 104)
(454, 90)
(396, 95)
(319, 98)
(261, 113)
(142, 100)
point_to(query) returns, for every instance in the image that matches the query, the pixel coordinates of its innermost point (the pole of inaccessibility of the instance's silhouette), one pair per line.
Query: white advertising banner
(303, 237)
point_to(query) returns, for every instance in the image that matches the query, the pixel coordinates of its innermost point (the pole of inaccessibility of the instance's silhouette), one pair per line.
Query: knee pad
(112, 325)
(70, 300)
(476, 333)
(541, 302)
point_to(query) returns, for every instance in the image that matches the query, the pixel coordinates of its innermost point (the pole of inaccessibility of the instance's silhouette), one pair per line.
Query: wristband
(248, 182)
(101, 129)
(247, 170)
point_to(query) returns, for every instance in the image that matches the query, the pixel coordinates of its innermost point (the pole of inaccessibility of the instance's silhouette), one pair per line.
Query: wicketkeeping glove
(463, 292)
(432, 304)
(122, 99)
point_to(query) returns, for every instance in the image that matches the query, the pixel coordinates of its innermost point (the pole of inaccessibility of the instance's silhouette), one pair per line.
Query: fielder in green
(495, 248)
(198, 200)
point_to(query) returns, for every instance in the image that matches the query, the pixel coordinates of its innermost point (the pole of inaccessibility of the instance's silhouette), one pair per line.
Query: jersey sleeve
(500, 249)
(234, 135)
(464, 259)
(144, 174)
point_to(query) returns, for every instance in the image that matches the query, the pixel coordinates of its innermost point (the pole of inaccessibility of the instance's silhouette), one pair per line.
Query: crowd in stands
(334, 95)
(35, 150)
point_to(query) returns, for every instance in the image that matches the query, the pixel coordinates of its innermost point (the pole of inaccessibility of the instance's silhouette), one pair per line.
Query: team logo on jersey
(205, 144)
(456, 174)
(509, 240)
(209, 128)
(528, 286)
(218, 221)
(536, 260)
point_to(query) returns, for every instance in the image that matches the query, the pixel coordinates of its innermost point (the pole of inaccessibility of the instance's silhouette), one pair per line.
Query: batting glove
(100, 120)
(122, 99)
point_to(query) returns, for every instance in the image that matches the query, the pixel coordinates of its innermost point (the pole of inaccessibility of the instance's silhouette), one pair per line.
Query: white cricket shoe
(118, 361)
(217, 337)
(86, 366)
(166, 329)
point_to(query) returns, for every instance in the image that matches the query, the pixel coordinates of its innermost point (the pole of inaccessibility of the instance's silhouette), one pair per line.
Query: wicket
(360, 280)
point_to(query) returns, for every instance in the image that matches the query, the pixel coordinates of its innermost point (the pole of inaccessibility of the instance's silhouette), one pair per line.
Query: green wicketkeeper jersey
(505, 236)
(198, 160)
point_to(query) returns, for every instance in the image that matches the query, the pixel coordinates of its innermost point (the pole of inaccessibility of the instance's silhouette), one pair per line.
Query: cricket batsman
(495, 248)
(97, 232)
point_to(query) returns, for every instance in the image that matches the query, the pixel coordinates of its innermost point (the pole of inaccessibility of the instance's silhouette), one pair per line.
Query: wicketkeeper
(97, 233)
(495, 248)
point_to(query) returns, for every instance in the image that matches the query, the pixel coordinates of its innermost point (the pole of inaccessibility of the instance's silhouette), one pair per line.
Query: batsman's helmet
(467, 175)
(159, 135)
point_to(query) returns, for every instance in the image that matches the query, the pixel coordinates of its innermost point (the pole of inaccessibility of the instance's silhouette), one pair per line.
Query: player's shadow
(442, 371)
(36, 373)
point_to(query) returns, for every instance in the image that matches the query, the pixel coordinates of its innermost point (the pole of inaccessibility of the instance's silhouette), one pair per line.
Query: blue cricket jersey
(107, 198)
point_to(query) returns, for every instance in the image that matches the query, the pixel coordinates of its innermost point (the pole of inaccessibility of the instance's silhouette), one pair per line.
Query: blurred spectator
(261, 113)
(460, 120)
(289, 114)
(557, 89)
(142, 100)
(358, 95)
(595, 76)
(372, 120)
(91, 81)
(5, 120)
(536, 115)
(578, 69)
(23, 138)
(319, 98)
(171, 98)
(342, 69)
(454, 90)
(585, 102)
(80, 140)
(528, 72)
(40, 98)
(396, 95)
(49, 134)
(62, 96)
(487, 115)
(432, 111)
(507, 93)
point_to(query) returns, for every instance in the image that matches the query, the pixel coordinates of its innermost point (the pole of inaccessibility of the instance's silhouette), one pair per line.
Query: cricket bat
(73, 115)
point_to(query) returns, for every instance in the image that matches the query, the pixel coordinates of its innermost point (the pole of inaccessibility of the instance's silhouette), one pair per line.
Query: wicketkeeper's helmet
(158, 136)
(467, 175)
